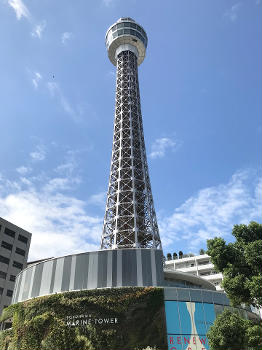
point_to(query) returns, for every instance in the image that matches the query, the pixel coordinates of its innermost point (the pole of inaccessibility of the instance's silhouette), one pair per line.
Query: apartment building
(199, 265)
(14, 247)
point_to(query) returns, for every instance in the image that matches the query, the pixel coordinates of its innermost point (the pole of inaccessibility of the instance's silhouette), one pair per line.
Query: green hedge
(41, 323)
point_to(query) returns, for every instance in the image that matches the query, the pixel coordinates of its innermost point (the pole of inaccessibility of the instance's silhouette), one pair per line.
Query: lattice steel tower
(130, 219)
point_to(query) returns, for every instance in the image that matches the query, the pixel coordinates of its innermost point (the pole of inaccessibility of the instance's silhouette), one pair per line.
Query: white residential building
(199, 265)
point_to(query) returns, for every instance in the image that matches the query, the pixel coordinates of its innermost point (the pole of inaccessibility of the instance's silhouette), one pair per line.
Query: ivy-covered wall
(104, 319)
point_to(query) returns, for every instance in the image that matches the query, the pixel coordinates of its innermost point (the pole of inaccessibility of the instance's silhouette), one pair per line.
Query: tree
(202, 251)
(180, 253)
(240, 262)
(174, 256)
(232, 332)
(169, 256)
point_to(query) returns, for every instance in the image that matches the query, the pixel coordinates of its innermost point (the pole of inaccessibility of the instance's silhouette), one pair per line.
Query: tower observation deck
(130, 219)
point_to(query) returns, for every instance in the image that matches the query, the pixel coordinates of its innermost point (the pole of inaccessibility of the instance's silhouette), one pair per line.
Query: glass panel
(9, 232)
(143, 32)
(126, 31)
(218, 309)
(218, 298)
(210, 316)
(23, 239)
(133, 25)
(186, 327)
(28, 276)
(225, 299)
(196, 295)
(113, 28)
(140, 36)
(198, 316)
(172, 322)
(132, 32)
(120, 25)
(183, 294)
(139, 29)
(58, 275)
(114, 35)
(120, 32)
(46, 278)
(3, 275)
(127, 24)
(207, 296)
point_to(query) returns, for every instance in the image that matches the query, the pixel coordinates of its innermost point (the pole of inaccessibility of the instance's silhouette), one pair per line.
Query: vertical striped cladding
(91, 270)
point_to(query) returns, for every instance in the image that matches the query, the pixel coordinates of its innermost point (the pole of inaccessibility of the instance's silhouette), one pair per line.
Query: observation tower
(111, 306)
(130, 218)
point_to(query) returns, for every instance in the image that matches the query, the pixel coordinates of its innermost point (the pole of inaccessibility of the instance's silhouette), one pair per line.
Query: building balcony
(213, 277)
(207, 267)
(187, 269)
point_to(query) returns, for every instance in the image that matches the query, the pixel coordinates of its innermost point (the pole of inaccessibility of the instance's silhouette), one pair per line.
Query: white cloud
(38, 30)
(37, 77)
(213, 211)
(59, 223)
(232, 13)
(66, 36)
(61, 184)
(20, 9)
(108, 2)
(98, 199)
(66, 168)
(22, 170)
(56, 92)
(160, 147)
(39, 153)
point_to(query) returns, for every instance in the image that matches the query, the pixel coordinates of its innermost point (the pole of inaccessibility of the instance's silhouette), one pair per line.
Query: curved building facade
(91, 270)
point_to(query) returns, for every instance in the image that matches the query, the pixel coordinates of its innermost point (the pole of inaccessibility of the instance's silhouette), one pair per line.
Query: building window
(6, 245)
(4, 260)
(120, 25)
(9, 232)
(3, 275)
(18, 265)
(23, 239)
(20, 251)
(1, 290)
(9, 292)
(12, 278)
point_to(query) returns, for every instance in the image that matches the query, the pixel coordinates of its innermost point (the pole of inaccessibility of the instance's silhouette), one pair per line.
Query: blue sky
(200, 88)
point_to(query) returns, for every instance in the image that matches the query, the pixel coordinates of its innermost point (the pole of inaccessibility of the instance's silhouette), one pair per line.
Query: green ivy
(40, 323)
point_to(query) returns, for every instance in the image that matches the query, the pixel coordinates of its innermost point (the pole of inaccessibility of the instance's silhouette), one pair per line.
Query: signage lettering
(87, 319)
(186, 339)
